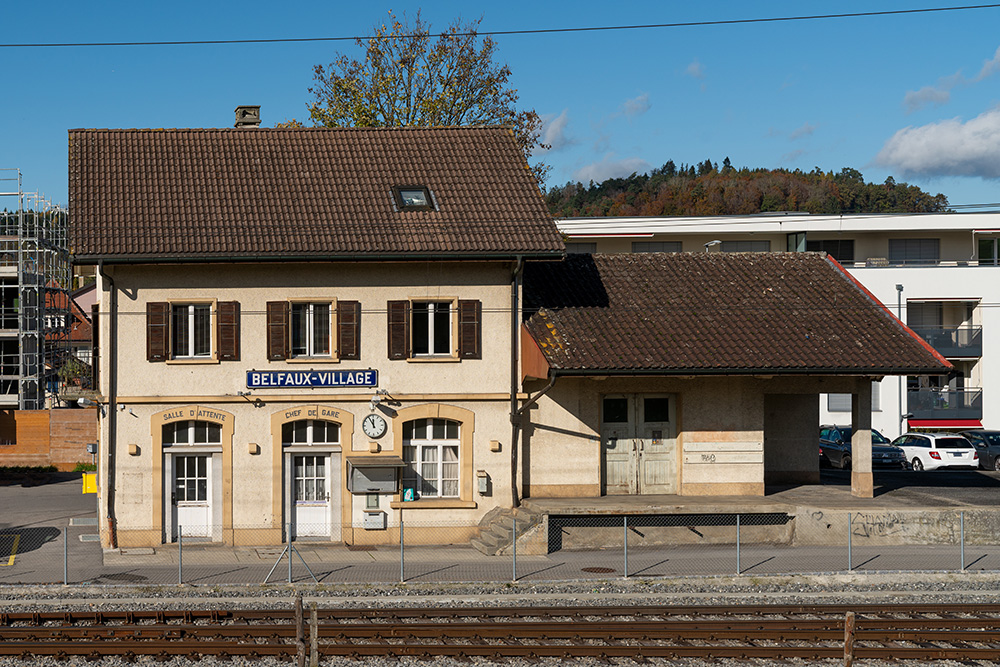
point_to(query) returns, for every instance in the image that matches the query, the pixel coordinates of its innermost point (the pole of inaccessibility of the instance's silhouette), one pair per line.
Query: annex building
(301, 333)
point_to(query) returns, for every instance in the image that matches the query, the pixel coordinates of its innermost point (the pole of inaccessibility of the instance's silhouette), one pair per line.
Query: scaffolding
(34, 296)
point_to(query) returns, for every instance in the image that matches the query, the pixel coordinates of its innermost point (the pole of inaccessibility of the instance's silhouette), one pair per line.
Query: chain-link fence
(404, 548)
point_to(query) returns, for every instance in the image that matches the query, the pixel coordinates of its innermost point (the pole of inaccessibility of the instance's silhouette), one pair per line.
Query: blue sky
(916, 97)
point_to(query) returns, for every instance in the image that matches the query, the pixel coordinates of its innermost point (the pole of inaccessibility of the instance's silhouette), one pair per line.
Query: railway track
(885, 632)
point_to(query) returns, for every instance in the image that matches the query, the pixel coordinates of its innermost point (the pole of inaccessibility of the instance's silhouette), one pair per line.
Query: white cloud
(793, 156)
(947, 148)
(803, 131)
(939, 94)
(636, 106)
(990, 67)
(554, 131)
(611, 168)
(914, 100)
(695, 70)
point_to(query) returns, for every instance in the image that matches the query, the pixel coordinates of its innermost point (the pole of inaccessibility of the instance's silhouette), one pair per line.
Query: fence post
(738, 568)
(313, 636)
(849, 628)
(65, 555)
(625, 542)
(961, 518)
(300, 636)
(850, 561)
(289, 550)
(514, 545)
(402, 579)
(180, 556)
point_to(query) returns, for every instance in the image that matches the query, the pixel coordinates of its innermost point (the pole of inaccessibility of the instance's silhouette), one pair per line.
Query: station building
(301, 332)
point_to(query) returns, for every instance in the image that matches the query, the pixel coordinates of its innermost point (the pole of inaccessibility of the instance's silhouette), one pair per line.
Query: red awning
(945, 423)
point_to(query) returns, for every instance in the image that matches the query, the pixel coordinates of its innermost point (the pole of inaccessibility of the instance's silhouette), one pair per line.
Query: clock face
(373, 426)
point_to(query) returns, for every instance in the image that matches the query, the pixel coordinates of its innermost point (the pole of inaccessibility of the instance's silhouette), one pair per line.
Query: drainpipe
(112, 400)
(515, 316)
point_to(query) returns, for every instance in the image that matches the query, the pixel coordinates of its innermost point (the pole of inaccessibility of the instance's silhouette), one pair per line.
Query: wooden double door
(639, 444)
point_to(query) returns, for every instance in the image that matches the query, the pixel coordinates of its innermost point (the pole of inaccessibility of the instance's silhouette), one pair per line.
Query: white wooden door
(192, 495)
(639, 444)
(311, 499)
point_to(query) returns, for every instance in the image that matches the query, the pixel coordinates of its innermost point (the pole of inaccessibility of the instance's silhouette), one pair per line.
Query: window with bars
(431, 454)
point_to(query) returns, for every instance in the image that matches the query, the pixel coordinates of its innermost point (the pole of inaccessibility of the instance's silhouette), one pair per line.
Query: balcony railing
(945, 404)
(954, 341)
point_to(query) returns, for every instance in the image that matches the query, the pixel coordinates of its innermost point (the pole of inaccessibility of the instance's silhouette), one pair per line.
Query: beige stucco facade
(248, 480)
(730, 436)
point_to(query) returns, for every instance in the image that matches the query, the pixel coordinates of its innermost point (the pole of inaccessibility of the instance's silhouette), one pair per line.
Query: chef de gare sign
(261, 379)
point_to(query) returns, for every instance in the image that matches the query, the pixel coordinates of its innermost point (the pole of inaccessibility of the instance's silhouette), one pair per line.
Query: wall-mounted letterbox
(373, 474)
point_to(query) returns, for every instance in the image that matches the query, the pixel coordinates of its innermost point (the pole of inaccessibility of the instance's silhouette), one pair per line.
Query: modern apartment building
(937, 272)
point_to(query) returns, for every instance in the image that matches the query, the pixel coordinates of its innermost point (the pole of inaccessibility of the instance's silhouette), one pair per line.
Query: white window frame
(415, 472)
(310, 326)
(190, 427)
(451, 344)
(191, 321)
(310, 433)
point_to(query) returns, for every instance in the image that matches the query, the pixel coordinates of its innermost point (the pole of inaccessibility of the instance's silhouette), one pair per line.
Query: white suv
(927, 451)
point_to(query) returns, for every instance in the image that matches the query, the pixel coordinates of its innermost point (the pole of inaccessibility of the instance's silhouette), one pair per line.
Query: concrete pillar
(862, 483)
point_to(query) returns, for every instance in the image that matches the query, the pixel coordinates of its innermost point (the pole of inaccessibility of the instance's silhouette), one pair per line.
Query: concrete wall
(790, 439)
(48, 437)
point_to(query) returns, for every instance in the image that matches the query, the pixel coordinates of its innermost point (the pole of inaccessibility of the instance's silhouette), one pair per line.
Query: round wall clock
(373, 426)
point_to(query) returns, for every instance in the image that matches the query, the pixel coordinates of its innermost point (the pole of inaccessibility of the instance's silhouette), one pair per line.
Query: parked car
(835, 447)
(987, 444)
(927, 451)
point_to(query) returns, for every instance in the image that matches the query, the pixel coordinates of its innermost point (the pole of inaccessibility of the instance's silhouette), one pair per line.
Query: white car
(927, 451)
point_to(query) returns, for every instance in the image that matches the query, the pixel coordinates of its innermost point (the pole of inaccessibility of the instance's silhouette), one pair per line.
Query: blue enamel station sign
(310, 378)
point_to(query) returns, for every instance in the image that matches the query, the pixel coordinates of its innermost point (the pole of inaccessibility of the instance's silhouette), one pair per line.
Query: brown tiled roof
(280, 193)
(698, 313)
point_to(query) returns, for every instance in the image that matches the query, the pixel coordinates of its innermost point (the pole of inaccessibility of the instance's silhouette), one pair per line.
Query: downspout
(112, 400)
(515, 417)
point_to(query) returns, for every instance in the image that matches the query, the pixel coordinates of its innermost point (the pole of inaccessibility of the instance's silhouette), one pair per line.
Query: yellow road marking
(13, 550)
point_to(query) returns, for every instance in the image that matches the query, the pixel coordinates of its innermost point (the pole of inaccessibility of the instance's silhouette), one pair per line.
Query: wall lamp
(712, 243)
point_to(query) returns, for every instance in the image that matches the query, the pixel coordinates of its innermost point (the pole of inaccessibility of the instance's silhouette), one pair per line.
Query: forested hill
(707, 189)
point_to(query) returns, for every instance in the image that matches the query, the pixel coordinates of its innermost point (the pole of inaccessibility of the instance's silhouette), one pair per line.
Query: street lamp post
(902, 378)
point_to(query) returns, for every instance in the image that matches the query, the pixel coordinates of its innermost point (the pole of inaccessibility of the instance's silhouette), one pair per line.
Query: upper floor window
(193, 331)
(192, 432)
(431, 327)
(656, 246)
(577, 248)
(746, 246)
(914, 251)
(841, 250)
(988, 255)
(310, 330)
(435, 329)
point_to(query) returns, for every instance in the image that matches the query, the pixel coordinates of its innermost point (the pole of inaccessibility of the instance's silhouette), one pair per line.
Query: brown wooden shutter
(349, 330)
(157, 331)
(399, 329)
(229, 330)
(95, 359)
(277, 330)
(470, 334)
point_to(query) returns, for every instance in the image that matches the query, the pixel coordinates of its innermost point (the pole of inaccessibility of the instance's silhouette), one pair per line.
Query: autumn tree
(409, 76)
